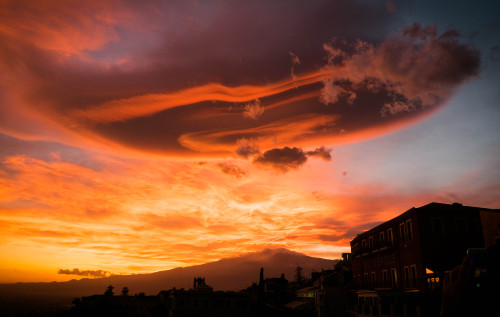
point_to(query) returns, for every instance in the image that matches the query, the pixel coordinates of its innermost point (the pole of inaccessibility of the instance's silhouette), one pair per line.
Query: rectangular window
(384, 278)
(402, 232)
(414, 276)
(394, 277)
(437, 226)
(461, 226)
(382, 239)
(407, 276)
(373, 280)
(365, 280)
(363, 246)
(390, 237)
(409, 230)
(370, 243)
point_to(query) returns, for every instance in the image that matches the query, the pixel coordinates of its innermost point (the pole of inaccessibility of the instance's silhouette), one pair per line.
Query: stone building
(399, 263)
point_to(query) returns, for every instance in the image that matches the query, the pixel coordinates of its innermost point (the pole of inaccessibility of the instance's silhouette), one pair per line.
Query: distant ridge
(226, 274)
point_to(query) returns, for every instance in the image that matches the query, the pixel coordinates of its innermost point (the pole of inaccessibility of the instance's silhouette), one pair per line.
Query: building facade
(412, 251)
(398, 266)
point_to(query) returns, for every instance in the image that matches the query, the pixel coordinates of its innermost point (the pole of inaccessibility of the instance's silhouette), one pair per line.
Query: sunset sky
(138, 136)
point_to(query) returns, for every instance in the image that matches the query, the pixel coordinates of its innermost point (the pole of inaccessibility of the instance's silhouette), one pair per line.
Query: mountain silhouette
(226, 274)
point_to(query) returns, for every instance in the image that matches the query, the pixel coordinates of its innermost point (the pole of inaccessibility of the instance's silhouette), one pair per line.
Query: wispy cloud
(295, 62)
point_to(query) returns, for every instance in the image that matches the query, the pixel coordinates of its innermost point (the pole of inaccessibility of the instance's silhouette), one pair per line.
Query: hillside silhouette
(226, 274)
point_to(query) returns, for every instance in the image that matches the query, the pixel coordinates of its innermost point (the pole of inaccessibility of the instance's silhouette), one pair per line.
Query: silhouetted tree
(299, 277)
(125, 291)
(109, 291)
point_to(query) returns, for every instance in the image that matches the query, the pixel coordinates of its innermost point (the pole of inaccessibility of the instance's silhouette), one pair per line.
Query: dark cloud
(246, 148)
(288, 158)
(231, 169)
(321, 152)
(282, 159)
(92, 273)
(417, 31)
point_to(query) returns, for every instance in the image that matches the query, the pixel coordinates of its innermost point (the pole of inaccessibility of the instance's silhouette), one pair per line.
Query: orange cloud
(138, 106)
(280, 132)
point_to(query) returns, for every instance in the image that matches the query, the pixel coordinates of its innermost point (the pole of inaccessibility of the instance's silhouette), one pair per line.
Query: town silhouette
(435, 260)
